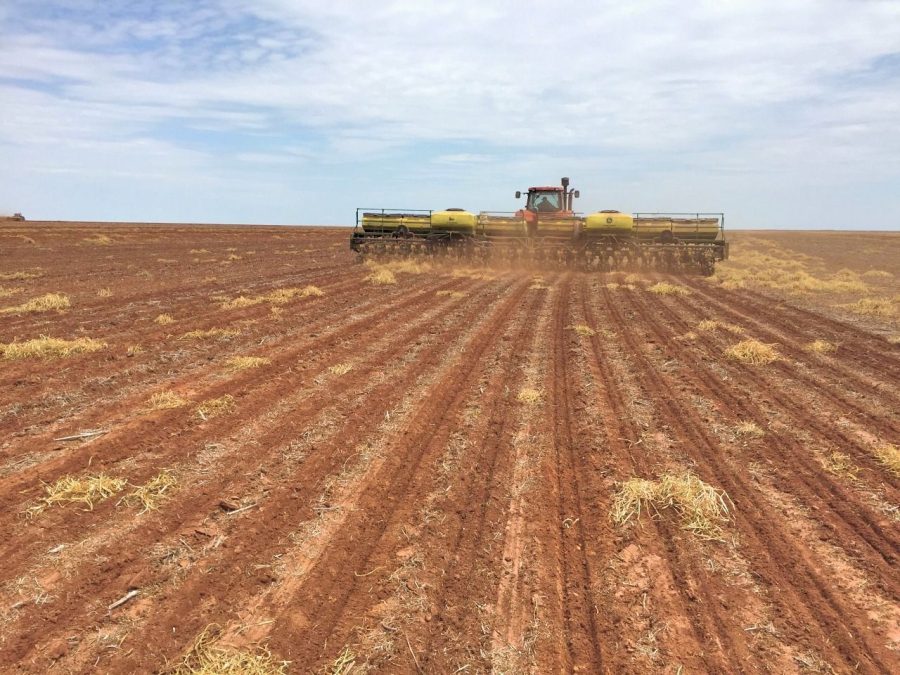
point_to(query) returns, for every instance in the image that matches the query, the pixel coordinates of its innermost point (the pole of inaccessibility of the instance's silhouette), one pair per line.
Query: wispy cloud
(647, 104)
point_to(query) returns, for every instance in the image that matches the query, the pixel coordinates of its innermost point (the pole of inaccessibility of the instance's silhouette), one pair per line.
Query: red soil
(413, 512)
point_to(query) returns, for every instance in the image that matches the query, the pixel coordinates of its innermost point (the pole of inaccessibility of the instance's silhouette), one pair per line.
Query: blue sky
(782, 114)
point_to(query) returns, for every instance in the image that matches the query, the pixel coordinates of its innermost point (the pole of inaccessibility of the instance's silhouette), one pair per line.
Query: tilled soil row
(143, 331)
(780, 388)
(420, 512)
(829, 383)
(291, 351)
(686, 589)
(798, 471)
(803, 593)
(255, 404)
(328, 590)
(262, 524)
(871, 353)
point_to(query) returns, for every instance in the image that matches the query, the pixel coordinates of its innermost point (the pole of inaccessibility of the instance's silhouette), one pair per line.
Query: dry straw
(98, 240)
(343, 664)
(205, 657)
(43, 303)
(529, 396)
(382, 276)
(702, 508)
(214, 407)
(244, 362)
(166, 400)
(710, 325)
(874, 307)
(841, 465)
(582, 329)
(164, 319)
(820, 347)
(749, 430)
(49, 348)
(340, 369)
(889, 455)
(401, 266)
(878, 274)
(279, 296)
(665, 288)
(19, 276)
(753, 352)
(86, 490)
(220, 333)
(151, 494)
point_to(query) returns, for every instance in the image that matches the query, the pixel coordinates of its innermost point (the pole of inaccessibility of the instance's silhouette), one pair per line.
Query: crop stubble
(413, 511)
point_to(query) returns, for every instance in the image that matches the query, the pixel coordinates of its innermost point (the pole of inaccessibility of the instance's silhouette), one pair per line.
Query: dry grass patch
(340, 369)
(7, 292)
(236, 363)
(529, 396)
(878, 274)
(279, 296)
(87, 490)
(889, 455)
(702, 508)
(400, 266)
(220, 333)
(205, 657)
(582, 329)
(19, 276)
(382, 276)
(241, 301)
(343, 664)
(164, 319)
(841, 465)
(820, 347)
(43, 303)
(311, 292)
(749, 430)
(104, 293)
(98, 240)
(150, 495)
(753, 352)
(665, 288)
(875, 307)
(49, 348)
(709, 325)
(166, 400)
(134, 350)
(214, 407)
(789, 274)
(475, 274)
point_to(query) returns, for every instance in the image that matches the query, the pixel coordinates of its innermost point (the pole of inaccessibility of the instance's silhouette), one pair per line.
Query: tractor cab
(545, 200)
(547, 203)
(549, 199)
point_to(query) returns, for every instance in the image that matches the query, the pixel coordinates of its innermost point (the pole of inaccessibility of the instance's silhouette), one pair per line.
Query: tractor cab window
(544, 201)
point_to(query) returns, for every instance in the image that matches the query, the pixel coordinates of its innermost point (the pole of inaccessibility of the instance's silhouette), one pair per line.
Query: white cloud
(705, 99)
